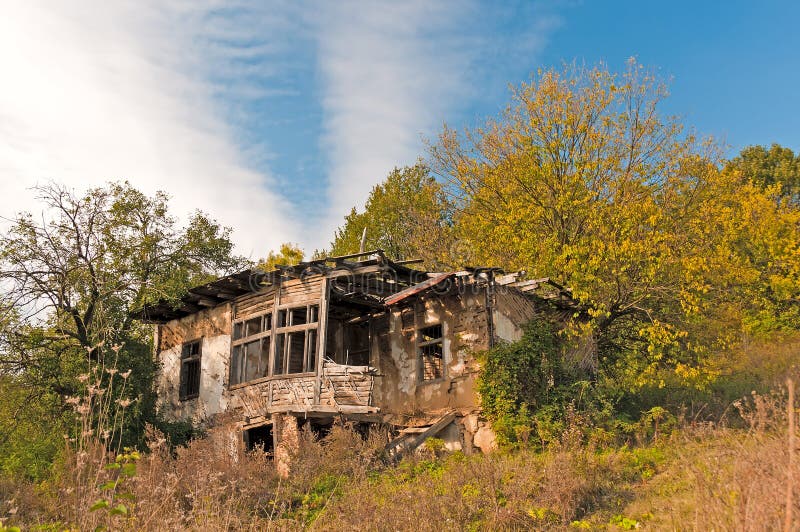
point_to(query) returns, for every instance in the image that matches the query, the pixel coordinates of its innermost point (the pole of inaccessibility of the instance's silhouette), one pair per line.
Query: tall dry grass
(701, 477)
(739, 477)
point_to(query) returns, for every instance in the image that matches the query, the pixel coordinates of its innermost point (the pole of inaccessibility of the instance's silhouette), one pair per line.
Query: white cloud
(393, 71)
(386, 74)
(98, 91)
(161, 94)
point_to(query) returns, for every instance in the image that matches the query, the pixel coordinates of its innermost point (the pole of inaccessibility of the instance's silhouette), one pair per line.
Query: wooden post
(322, 336)
(787, 526)
(363, 240)
(273, 338)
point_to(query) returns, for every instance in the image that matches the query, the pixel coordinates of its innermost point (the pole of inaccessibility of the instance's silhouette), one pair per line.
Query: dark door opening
(259, 438)
(320, 428)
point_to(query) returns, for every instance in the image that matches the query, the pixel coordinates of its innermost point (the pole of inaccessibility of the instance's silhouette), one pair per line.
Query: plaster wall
(399, 388)
(213, 327)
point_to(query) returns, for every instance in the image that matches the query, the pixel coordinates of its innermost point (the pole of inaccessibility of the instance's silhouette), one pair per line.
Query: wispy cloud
(114, 90)
(392, 71)
(207, 99)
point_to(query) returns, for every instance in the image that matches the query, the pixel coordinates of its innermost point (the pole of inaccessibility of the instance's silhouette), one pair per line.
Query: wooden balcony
(338, 389)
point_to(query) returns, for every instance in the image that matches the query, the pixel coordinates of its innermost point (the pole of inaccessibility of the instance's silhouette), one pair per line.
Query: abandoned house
(359, 338)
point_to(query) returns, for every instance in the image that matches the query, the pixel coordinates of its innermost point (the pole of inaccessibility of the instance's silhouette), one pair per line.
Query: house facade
(360, 338)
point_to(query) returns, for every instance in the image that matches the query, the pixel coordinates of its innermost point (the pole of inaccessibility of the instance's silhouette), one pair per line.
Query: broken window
(250, 350)
(190, 370)
(349, 337)
(430, 345)
(296, 340)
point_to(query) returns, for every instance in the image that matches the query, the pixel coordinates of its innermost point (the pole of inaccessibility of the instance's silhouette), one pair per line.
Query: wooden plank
(414, 430)
(408, 441)
(326, 409)
(322, 336)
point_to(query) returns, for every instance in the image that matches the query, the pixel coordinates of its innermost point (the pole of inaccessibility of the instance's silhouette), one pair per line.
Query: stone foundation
(286, 437)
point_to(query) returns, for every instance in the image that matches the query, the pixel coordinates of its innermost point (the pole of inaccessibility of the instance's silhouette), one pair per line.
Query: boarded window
(430, 344)
(190, 370)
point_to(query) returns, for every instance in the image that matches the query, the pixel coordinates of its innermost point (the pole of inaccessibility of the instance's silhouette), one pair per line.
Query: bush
(517, 379)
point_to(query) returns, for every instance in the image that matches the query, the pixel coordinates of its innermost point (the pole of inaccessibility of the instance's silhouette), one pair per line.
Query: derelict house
(357, 337)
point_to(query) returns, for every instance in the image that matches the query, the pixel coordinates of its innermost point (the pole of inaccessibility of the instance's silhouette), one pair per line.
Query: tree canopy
(767, 167)
(408, 216)
(584, 179)
(71, 279)
(288, 255)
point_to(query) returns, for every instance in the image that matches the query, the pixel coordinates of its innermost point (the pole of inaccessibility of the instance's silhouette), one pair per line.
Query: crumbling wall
(512, 310)
(400, 389)
(213, 327)
(286, 434)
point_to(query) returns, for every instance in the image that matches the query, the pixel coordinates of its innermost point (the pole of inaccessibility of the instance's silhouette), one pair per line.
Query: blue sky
(277, 117)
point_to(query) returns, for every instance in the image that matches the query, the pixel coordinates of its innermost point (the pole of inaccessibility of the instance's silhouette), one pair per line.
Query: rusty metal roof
(419, 287)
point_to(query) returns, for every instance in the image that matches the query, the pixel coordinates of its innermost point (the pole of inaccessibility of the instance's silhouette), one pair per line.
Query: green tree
(408, 216)
(288, 255)
(72, 278)
(768, 167)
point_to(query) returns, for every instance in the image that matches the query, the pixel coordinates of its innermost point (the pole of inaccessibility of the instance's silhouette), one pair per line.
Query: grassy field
(698, 477)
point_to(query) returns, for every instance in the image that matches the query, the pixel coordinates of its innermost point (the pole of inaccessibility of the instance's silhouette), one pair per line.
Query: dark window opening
(431, 352)
(190, 370)
(311, 350)
(250, 350)
(296, 352)
(259, 438)
(250, 361)
(432, 333)
(279, 355)
(349, 337)
(356, 338)
(299, 316)
(253, 326)
(296, 340)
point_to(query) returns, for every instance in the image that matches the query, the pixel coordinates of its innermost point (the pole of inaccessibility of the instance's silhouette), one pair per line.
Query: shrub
(517, 379)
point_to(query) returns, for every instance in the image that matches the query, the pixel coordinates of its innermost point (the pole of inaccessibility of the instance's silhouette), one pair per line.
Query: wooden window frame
(186, 360)
(259, 337)
(420, 345)
(310, 353)
(309, 365)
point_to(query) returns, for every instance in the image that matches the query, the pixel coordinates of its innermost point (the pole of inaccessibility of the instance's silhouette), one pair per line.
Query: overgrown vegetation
(699, 476)
(71, 281)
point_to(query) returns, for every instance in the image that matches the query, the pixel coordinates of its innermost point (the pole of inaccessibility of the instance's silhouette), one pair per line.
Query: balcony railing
(342, 388)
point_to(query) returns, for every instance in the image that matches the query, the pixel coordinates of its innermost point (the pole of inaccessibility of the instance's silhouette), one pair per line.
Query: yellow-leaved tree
(583, 179)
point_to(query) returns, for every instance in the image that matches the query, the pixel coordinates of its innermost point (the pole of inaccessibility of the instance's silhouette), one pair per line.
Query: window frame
(309, 364)
(241, 341)
(183, 375)
(420, 345)
(277, 336)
